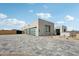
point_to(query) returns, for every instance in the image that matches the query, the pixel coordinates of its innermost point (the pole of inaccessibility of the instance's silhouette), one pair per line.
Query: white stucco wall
(61, 27)
(34, 24)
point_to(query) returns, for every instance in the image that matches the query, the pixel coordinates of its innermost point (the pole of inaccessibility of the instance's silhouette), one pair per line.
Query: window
(47, 28)
(32, 31)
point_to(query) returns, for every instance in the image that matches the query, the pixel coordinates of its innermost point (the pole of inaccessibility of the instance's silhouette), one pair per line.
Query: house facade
(39, 28)
(43, 28)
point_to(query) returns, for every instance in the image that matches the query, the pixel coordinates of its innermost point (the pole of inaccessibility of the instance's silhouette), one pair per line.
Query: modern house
(43, 28)
(39, 28)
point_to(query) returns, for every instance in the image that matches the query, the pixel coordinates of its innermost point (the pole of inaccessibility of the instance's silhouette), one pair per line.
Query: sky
(16, 15)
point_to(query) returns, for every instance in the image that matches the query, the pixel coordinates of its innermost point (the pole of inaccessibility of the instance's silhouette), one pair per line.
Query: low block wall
(77, 36)
(7, 32)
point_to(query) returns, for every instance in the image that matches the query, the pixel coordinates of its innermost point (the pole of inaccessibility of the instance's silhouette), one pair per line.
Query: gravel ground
(26, 45)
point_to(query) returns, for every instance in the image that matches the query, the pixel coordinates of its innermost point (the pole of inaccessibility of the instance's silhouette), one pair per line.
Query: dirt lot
(26, 45)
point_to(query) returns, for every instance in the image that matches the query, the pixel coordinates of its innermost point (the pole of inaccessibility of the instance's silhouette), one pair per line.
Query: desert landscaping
(27, 45)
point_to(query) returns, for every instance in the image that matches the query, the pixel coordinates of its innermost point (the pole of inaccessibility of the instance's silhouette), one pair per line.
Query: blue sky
(12, 16)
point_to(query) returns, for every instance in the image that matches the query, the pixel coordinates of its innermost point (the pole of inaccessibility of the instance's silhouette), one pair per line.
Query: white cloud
(2, 16)
(6, 29)
(43, 15)
(69, 18)
(12, 22)
(60, 22)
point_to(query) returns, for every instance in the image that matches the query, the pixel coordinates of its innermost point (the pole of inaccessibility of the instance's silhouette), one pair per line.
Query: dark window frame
(47, 28)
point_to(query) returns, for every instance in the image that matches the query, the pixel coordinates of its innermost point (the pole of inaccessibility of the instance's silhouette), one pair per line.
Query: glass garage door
(32, 31)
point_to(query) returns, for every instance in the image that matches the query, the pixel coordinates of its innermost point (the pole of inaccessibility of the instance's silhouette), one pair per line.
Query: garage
(57, 31)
